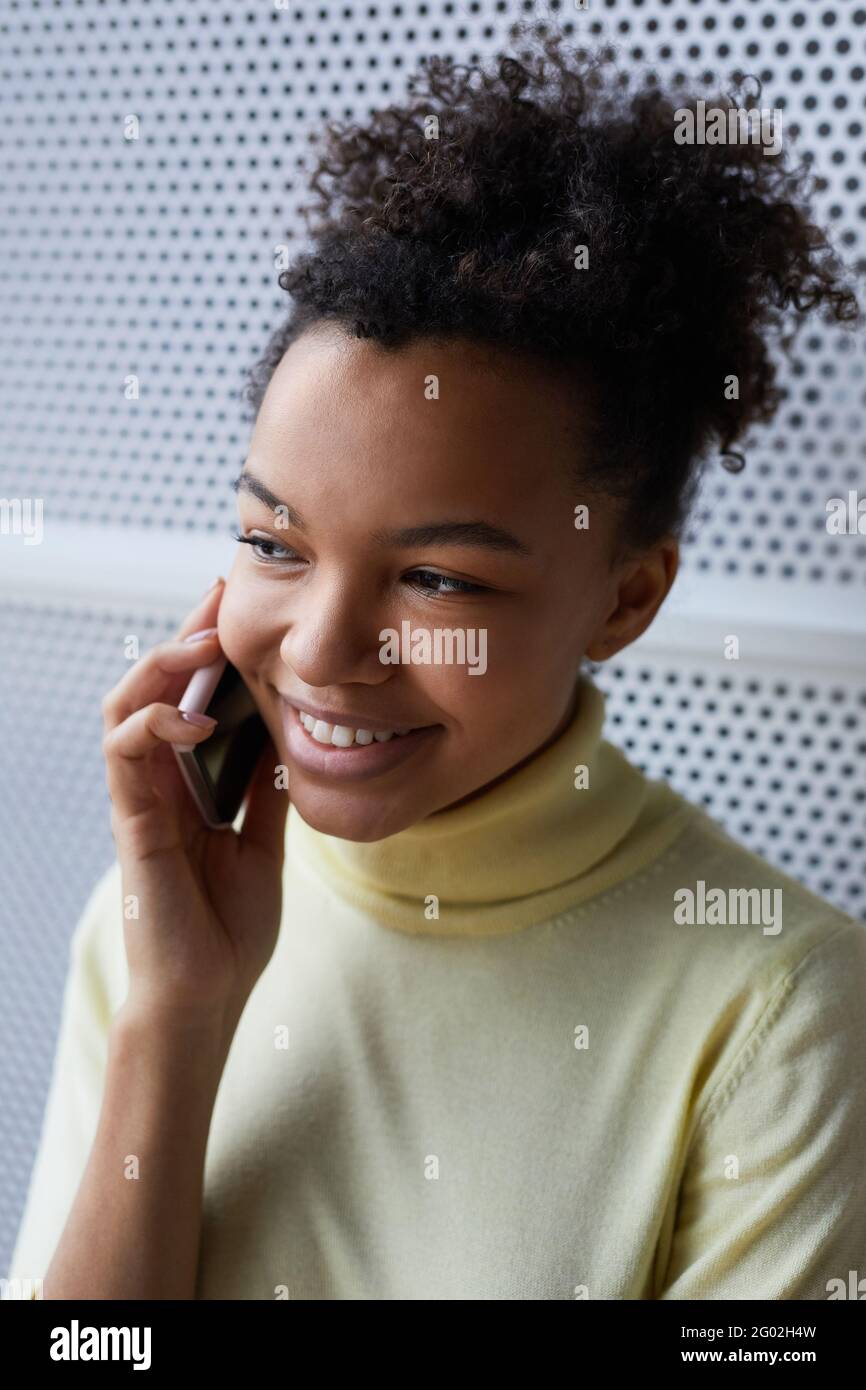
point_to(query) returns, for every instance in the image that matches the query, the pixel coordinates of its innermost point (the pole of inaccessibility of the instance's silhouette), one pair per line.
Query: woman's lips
(349, 764)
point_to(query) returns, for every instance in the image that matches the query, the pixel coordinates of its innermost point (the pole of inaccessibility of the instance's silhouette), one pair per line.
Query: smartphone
(218, 771)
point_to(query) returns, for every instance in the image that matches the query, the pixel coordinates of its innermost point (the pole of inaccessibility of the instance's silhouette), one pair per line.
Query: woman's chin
(349, 818)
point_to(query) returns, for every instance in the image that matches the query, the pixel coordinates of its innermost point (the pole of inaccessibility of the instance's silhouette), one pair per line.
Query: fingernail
(201, 634)
(211, 588)
(203, 721)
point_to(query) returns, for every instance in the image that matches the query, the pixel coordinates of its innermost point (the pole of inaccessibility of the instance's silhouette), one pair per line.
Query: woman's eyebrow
(472, 533)
(248, 482)
(468, 533)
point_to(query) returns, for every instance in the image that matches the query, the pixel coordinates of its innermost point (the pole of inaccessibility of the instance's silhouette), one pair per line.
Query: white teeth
(340, 735)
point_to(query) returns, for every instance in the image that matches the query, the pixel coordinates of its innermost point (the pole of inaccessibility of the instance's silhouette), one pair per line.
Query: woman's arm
(134, 1228)
(772, 1204)
(207, 911)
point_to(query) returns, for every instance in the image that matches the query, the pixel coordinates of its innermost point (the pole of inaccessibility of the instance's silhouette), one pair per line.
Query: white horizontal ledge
(165, 571)
(759, 645)
(808, 626)
(114, 567)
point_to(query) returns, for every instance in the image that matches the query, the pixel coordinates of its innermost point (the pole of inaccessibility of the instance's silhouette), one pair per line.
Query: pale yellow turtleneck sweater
(514, 1068)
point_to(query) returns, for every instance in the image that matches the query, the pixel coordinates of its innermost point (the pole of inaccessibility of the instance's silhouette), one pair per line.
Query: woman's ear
(641, 588)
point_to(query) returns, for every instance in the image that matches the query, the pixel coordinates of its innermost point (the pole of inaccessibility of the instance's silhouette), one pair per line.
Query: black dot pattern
(777, 761)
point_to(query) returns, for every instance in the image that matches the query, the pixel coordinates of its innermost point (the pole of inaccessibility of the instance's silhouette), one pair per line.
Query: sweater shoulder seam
(728, 1084)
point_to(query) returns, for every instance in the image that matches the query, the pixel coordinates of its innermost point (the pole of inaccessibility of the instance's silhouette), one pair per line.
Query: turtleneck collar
(529, 847)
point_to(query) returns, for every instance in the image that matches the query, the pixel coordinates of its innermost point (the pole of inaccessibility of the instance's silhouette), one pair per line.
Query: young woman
(475, 1011)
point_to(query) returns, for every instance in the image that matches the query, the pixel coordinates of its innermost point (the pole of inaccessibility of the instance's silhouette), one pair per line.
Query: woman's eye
(453, 586)
(260, 542)
(426, 581)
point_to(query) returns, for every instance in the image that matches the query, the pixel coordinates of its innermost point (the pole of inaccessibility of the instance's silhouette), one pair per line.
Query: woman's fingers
(151, 676)
(149, 679)
(140, 717)
(129, 744)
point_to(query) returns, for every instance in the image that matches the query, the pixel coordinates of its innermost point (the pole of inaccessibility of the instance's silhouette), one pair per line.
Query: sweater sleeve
(75, 1088)
(772, 1203)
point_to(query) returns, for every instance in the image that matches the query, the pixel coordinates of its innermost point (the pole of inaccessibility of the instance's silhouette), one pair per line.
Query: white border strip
(114, 567)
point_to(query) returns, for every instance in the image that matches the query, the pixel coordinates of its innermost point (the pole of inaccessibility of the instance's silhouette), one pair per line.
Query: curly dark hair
(694, 252)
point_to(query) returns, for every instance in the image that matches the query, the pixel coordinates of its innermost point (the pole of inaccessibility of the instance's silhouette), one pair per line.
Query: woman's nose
(334, 641)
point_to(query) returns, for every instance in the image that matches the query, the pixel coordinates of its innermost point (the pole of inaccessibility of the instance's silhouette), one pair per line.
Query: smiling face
(410, 511)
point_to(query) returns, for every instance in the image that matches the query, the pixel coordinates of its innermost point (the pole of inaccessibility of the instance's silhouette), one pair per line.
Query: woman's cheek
(236, 629)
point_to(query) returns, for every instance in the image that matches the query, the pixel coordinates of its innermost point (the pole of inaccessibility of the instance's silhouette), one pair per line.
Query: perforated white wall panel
(156, 257)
